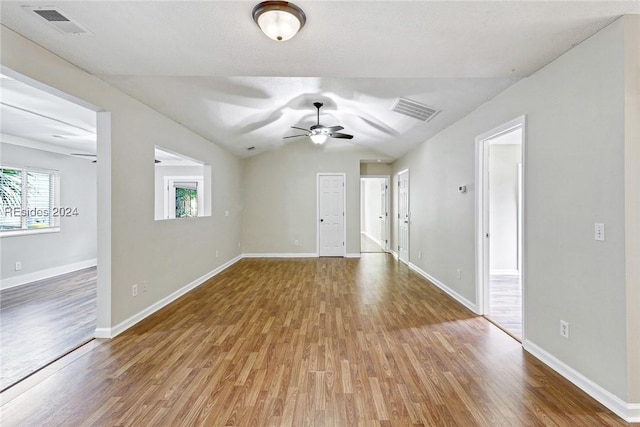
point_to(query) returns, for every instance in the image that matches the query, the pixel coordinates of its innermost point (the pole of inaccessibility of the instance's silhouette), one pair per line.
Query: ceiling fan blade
(294, 136)
(341, 136)
(334, 128)
(295, 127)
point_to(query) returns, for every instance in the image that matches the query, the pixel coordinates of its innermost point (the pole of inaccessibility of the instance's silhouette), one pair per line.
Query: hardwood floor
(42, 321)
(307, 342)
(505, 303)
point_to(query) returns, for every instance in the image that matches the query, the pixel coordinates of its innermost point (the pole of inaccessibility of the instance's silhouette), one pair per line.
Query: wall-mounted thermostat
(462, 189)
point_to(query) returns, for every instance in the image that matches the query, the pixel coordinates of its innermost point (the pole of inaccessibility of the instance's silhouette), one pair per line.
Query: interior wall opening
(48, 279)
(374, 214)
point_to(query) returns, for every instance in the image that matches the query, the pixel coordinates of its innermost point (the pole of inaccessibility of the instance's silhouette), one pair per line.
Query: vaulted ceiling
(208, 66)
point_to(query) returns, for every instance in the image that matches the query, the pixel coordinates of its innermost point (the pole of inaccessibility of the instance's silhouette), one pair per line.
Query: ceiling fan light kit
(319, 133)
(318, 138)
(279, 20)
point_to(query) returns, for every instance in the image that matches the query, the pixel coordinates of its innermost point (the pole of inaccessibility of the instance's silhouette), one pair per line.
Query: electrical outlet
(144, 286)
(226, 213)
(459, 273)
(297, 243)
(134, 290)
(599, 231)
(217, 254)
(564, 329)
(18, 265)
(419, 254)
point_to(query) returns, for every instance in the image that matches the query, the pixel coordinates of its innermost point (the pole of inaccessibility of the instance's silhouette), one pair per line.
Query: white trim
(394, 253)
(281, 255)
(12, 282)
(344, 207)
(29, 231)
(453, 294)
(355, 255)
(504, 272)
(127, 323)
(630, 412)
(369, 236)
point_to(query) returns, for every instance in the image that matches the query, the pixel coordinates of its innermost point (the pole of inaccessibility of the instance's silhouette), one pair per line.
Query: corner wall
(167, 255)
(75, 245)
(280, 196)
(574, 177)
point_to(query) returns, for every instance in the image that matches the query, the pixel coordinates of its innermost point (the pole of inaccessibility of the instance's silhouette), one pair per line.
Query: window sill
(15, 233)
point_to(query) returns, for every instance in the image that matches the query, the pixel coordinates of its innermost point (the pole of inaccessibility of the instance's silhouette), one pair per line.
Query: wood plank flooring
(505, 303)
(43, 320)
(308, 342)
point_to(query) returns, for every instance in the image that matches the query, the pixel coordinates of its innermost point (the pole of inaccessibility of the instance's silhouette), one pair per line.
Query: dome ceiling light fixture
(279, 20)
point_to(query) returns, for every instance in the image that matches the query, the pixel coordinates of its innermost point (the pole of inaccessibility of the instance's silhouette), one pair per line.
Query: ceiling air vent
(59, 20)
(414, 109)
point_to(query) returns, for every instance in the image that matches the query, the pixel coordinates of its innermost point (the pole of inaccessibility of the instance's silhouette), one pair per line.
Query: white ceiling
(207, 65)
(38, 119)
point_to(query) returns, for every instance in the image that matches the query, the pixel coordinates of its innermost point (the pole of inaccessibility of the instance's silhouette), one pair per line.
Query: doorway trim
(482, 213)
(344, 207)
(387, 195)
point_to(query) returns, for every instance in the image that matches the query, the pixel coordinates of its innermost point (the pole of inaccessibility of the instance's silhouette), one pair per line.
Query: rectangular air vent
(58, 20)
(414, 109)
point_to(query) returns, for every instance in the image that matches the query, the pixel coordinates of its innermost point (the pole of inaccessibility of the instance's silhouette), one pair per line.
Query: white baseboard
(630, 412)
(12, 282)
(102, 333)
(280, 255)
(394, 253)
(504, 273)
(370, 237)
(126, 324)
(356, 255)
(453, 294)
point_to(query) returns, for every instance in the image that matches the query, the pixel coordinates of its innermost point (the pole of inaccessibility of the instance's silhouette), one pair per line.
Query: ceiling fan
(86, 155)
(319, 133)
(96, 160)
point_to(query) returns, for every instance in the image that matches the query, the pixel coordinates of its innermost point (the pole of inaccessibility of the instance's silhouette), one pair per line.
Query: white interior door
(331, 231)
(403, 216)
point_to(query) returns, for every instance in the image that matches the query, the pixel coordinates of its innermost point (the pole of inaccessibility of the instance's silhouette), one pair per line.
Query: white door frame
(387, 231)
(344, 207)
(399, 219)
(482, 214)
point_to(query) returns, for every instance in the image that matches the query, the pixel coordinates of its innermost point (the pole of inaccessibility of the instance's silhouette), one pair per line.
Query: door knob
(321, 220)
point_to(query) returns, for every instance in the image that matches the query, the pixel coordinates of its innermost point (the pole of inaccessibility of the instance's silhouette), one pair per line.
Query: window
(28, 200)
(182, 186)
(186, 199)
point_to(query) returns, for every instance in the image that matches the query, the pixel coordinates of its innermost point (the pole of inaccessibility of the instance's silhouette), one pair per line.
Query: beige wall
(280, 196)
(166, 254)
(574, 177)
(76, 241)
(503, 207)
(632, 200)
(376, 169)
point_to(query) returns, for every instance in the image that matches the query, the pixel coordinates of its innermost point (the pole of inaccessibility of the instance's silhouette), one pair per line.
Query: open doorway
(500, 199)
(48, 226)
(374, 214)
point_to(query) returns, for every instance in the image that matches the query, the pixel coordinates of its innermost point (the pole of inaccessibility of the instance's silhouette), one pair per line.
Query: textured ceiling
(207, 65)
